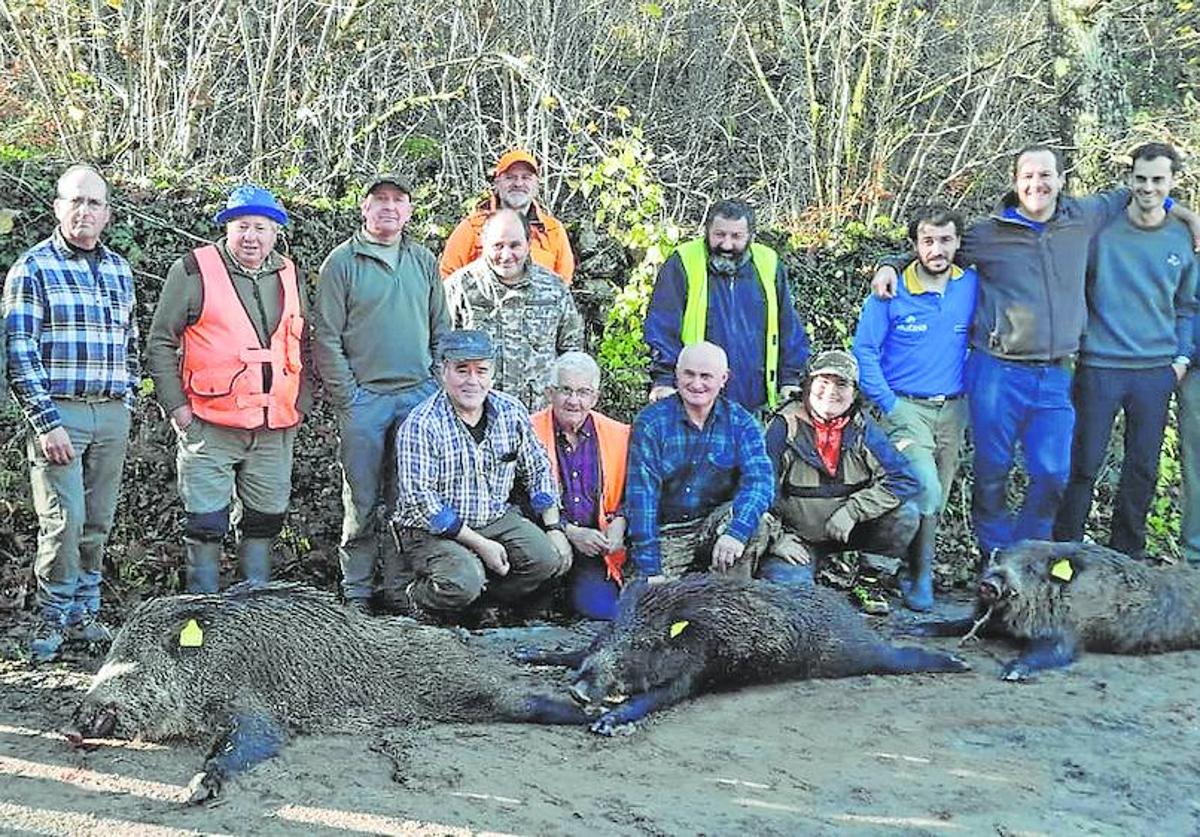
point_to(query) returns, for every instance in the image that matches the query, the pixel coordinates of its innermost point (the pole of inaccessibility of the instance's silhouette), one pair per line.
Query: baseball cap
(389, 177)
(466, 344)
(252, 200)
(511, 158)
(838, 363)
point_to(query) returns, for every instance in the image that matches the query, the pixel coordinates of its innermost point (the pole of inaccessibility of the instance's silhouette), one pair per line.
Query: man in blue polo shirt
(912, 350)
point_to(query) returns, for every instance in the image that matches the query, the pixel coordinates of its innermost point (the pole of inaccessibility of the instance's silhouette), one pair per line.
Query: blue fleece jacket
(1141, 296)
(737, 322)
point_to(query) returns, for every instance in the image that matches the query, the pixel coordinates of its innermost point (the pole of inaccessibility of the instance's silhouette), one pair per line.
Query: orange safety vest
(222, 366)
(612, 439)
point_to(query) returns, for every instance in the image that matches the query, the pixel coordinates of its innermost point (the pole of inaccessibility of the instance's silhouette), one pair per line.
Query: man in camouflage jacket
(525, 309)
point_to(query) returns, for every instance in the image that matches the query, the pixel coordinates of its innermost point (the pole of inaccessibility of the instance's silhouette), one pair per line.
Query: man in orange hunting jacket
(514, 186)
(587, 453)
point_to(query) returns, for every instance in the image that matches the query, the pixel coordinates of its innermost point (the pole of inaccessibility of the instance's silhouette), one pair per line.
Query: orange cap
(511, 158)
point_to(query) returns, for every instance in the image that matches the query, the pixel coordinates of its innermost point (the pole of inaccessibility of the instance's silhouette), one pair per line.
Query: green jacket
(872, 476)
(179, 306)
(378, 313)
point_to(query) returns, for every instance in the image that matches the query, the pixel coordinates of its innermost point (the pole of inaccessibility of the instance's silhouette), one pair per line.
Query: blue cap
(252, 200)
(466, 344)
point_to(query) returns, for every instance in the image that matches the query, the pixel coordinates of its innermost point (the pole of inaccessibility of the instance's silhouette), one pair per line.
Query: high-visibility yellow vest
(694, 255)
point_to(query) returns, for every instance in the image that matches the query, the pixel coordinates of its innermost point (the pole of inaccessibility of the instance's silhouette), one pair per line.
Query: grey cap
(838, 363)
(391, 177)
(466, 344)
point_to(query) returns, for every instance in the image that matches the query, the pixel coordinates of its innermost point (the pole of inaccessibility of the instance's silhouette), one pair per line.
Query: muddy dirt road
(1111, 746)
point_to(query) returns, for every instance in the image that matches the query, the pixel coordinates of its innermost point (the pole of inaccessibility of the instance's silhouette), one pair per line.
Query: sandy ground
(1110, 746)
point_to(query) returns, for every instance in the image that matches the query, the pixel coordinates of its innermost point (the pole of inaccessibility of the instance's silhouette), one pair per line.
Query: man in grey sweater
(378, 314)
(1141, 295)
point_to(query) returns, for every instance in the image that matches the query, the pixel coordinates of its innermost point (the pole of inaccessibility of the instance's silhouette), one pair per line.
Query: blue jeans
(1144, 395)
(1013, 402)
(368, 456)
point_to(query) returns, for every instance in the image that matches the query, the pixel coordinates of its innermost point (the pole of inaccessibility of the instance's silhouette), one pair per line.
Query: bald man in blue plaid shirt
(72, 352)
(688, 454)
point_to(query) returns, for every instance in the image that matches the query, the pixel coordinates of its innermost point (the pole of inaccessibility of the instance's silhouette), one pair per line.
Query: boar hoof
(608, 726)
(1015, 672)
(204, 786)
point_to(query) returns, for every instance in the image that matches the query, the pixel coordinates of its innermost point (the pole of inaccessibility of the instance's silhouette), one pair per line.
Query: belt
(88, 399)
(931, 399)
(1064, 362)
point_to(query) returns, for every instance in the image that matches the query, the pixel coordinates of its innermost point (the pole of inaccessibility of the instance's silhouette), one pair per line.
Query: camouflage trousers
(687, 546)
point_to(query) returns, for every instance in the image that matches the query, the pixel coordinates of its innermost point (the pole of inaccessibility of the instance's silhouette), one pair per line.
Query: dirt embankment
(1110, 746)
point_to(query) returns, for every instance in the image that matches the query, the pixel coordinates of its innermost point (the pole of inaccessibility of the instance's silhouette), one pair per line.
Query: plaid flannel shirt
(448, 481)
(664, 442)
(72, 330)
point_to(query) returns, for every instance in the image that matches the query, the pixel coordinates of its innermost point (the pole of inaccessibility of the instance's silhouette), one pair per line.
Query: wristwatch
(556, 526)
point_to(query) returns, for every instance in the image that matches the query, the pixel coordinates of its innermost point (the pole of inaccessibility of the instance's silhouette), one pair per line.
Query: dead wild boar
(679, 638)
(1060, 599)
(252, 665)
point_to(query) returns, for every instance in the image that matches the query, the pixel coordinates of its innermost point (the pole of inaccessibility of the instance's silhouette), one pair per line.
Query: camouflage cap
(837, 363)
(466, 344)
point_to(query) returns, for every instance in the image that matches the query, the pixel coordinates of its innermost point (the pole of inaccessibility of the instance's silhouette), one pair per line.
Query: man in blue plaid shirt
(72, 351)
(688, 454)
(459, 454)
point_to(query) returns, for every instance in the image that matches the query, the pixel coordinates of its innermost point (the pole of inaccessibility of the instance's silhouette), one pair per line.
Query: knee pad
(256, 524)
(209, 527)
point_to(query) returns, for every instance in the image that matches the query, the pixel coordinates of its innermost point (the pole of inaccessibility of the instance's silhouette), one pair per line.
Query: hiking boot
(90, 629)
(47, 638)
(363, 606)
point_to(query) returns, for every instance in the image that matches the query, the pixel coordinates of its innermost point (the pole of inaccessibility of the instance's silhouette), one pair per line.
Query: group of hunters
(470, 437)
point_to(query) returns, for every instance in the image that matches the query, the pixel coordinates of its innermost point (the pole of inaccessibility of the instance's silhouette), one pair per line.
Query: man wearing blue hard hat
(225, 351)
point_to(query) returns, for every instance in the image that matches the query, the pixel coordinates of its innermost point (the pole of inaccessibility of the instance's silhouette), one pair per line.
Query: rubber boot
(254, 560)
(203, 560)
(918, 592)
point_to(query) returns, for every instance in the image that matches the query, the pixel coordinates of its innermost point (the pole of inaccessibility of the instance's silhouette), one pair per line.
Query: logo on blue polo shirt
(910, 325)
(1173, 260)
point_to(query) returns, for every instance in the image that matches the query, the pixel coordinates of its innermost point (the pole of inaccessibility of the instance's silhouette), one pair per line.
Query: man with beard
(912, 353)
(729, 290)
(515, 187)
(1031, 254)
(377, 317)
(1141, 295)
(524, 308)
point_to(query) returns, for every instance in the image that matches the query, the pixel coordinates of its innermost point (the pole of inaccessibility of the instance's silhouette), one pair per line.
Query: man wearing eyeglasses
(587, 452)
(72, 347)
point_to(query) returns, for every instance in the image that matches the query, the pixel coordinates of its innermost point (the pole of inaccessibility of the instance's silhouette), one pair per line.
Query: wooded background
(834, 118)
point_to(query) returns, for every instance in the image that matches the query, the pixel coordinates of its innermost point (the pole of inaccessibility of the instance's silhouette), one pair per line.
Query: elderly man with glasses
(587, 452)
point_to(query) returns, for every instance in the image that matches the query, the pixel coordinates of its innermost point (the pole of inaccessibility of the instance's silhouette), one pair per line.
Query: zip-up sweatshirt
(1031, 276)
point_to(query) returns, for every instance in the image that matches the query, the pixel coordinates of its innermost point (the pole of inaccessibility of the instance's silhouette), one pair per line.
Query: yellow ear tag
(1062, 569)
(678, 627)
(192, 635)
